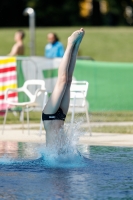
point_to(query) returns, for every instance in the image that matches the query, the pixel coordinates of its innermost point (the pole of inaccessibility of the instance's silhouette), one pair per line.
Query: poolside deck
(14, 133)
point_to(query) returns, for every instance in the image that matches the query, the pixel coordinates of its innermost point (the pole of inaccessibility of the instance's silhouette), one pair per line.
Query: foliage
(11, 13)
(62, 13)
(116, 13)
(57, 12)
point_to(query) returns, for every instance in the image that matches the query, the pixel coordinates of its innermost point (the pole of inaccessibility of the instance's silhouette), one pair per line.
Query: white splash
(63, 149)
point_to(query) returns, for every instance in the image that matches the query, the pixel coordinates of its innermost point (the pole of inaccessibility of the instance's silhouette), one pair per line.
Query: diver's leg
(56, 97)
(66, 98)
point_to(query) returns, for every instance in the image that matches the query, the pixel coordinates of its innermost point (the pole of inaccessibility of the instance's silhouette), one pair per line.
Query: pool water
(29, 172)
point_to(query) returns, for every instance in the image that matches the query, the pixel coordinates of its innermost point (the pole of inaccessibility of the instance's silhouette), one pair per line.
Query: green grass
(94, 117)
(12, 119)
(100, 43)
(116, 116)
(113, 129)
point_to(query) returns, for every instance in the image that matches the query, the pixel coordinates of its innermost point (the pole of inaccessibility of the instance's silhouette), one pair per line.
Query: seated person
(54, 48)
(18, 47)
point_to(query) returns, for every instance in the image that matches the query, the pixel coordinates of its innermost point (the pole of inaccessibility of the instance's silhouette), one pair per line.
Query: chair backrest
(34, 83)
(78, 93)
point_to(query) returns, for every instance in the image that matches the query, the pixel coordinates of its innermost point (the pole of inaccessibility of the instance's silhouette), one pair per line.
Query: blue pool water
(28, 171)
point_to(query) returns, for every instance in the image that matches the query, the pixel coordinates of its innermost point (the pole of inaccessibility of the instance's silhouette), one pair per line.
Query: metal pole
(31, 13)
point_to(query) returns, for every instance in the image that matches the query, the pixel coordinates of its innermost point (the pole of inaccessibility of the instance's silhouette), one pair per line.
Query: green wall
(110, 84)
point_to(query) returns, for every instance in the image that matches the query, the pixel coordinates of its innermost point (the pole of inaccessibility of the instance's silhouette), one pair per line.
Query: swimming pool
(26, 172)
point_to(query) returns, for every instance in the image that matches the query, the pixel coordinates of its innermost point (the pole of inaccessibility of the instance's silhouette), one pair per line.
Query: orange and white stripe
(8, 79)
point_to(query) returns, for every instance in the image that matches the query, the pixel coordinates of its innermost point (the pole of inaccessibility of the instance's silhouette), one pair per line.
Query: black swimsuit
(59, 115)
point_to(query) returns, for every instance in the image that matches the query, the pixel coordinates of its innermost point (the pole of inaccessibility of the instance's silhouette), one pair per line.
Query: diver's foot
(75, 37)
(80, 39)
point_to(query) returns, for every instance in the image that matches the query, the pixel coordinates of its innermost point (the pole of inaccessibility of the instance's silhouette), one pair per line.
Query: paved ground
(14, 133)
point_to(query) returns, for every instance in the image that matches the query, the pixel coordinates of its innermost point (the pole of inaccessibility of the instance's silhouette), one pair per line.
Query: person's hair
(22, 33)
(56, 37)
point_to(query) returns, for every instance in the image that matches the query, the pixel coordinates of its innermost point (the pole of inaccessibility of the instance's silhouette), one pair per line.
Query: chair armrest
(39, 91)
(13, 90)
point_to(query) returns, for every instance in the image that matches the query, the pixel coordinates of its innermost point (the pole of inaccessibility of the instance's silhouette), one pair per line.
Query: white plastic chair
(32, 98)
(78, 93)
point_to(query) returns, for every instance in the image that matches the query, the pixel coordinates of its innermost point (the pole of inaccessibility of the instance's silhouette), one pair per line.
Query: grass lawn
(100, 43)
(113, 129)
(121, 116)
(94, 117)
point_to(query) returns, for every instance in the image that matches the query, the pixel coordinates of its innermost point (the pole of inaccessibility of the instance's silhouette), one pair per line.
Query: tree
(56, 13)
(62, 13)
(116, 10)
(11, 13)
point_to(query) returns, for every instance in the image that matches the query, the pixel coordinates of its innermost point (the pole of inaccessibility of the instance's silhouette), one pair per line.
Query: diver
(56, 108)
